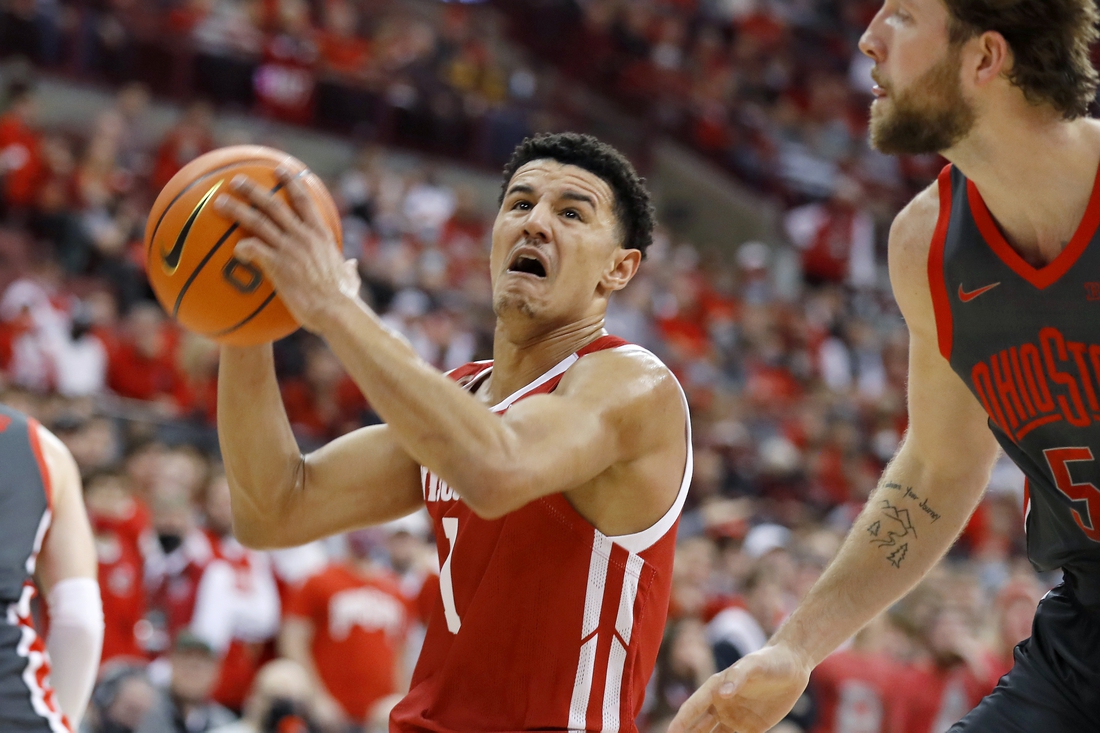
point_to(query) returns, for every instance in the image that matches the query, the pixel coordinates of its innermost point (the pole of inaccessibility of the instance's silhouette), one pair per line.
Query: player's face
(555, 239)
(919, 103)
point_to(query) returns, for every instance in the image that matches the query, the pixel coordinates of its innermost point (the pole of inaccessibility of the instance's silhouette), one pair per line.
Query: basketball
(189, 247)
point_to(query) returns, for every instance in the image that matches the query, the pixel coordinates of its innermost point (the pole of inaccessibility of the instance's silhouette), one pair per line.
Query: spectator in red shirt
(854, 688)
(144, 364)
(121, 526)
(953, 673)
(347, 626)
(20, 157)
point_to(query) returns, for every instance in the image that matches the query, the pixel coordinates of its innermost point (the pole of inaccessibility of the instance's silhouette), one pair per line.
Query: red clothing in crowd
(173, 593)
(21, 159)
(133, 374)
(359, 625)
(121, 580)
(854, 692)
(934, 698)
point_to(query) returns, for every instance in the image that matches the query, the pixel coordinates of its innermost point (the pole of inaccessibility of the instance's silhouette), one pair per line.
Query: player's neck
(1036, 176)
(519, 359)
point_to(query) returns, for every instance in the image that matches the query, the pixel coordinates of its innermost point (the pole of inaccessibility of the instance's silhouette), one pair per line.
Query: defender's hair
(1050, 42)
(633, 207)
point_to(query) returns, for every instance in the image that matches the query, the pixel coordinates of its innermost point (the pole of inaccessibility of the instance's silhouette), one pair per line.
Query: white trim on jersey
(18, 612)
(643, 540)
(557, 370)
(593, 608)
(39, 537)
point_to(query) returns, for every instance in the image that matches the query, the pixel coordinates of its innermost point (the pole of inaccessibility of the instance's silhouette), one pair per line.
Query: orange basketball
(189, 248)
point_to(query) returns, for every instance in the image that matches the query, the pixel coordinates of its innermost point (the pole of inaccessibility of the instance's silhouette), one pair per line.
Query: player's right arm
(282, 498)
(925, 497)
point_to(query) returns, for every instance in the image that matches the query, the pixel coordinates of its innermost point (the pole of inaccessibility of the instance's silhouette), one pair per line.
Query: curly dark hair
(1050, 42)
(633, 207)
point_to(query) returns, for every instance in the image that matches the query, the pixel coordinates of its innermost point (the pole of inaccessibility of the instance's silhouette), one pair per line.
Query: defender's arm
(925, 497)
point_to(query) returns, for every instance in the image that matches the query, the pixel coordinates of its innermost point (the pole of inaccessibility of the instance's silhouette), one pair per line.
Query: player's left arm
(67, 574)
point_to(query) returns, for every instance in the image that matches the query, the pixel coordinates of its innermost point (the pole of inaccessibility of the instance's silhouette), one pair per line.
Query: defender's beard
(930, 116)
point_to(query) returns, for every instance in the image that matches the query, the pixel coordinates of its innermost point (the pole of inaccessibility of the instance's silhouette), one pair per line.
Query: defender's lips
(878, 91)
(529, 261)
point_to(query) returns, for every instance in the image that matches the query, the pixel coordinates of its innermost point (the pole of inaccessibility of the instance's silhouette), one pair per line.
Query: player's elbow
(496, 491)
(259, 528)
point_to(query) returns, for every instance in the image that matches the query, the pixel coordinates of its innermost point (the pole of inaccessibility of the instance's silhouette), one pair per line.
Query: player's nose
(537, 224)
(871, 43)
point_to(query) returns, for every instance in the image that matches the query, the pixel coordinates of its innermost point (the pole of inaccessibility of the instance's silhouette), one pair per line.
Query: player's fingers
(300, 199)
(266, 201)
(693, 714)
(251, 219)
(254, 252)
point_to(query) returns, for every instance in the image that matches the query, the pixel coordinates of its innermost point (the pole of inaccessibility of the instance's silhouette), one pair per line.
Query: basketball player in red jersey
(995, 268)
(554, 475)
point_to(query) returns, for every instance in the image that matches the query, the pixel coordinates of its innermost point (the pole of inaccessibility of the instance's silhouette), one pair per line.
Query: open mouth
(528, 264)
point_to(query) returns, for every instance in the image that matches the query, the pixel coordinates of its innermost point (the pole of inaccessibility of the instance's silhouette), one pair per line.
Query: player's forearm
(435, 421)
(261, 456)
(909, 522)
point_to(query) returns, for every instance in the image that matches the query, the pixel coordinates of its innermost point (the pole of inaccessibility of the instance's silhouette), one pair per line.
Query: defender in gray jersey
(44, 537)
(996, 269)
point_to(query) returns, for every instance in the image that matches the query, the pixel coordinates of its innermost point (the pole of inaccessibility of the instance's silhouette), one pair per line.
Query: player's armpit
(612, 410)
(358, 479)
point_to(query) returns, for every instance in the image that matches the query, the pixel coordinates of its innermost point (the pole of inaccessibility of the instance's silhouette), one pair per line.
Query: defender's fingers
(266, 201)
(252, 219)
(694, 713)
(303, 203)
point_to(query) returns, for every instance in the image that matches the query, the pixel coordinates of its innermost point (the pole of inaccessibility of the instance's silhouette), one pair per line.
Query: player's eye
(572, 214)
(521, 205)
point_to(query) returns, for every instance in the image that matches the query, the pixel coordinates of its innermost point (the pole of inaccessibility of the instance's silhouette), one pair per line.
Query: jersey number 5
(1086, 493)
(446, 587)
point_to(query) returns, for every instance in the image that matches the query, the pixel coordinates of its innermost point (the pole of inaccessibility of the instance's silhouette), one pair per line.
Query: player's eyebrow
(582, 198)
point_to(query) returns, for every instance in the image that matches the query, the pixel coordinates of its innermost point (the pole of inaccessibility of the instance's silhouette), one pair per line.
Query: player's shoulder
(911, 237)
(626, 372)
(915, 225)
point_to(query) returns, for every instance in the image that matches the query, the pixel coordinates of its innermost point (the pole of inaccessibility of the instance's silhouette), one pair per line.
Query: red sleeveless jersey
(542, 621)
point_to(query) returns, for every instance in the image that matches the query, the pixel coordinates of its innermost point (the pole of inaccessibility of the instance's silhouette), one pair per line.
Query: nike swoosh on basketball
(171, 258)
(967, 297)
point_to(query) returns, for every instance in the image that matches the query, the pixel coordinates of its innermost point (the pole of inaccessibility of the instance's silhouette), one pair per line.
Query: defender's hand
(293, 247)
(750, 697)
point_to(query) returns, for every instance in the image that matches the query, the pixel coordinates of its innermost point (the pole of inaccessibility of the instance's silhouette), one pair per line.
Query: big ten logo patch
(436, 489)
(1092, 291)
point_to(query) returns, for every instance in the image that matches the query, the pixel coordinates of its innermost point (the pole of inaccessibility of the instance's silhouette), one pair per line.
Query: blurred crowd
(796, 385)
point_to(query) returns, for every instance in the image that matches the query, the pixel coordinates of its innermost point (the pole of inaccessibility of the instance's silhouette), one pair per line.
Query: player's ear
(994, 57)
(624, 265)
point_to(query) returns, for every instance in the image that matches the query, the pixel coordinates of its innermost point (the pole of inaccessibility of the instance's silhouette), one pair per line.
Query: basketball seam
(206, 259)
(249, 317)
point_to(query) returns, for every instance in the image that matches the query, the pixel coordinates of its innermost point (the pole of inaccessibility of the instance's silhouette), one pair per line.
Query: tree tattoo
(898, 555)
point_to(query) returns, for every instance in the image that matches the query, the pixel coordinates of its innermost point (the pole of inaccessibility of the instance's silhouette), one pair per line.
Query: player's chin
(508, 302)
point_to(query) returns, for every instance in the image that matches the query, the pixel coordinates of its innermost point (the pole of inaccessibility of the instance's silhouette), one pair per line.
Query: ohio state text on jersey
(543, 622)
(1024, 341)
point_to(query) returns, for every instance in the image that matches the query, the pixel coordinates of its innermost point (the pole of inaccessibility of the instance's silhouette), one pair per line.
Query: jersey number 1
(446, 587)
(1057, 458)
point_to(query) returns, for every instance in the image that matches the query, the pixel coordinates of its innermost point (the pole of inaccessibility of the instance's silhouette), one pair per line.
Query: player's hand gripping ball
(189, 246)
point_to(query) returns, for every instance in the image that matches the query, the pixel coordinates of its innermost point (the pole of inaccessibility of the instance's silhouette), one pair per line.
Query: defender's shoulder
(914, 227)
(911, 239)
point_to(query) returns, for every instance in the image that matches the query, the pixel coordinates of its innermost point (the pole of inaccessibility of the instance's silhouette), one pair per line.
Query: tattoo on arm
(895, 523)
